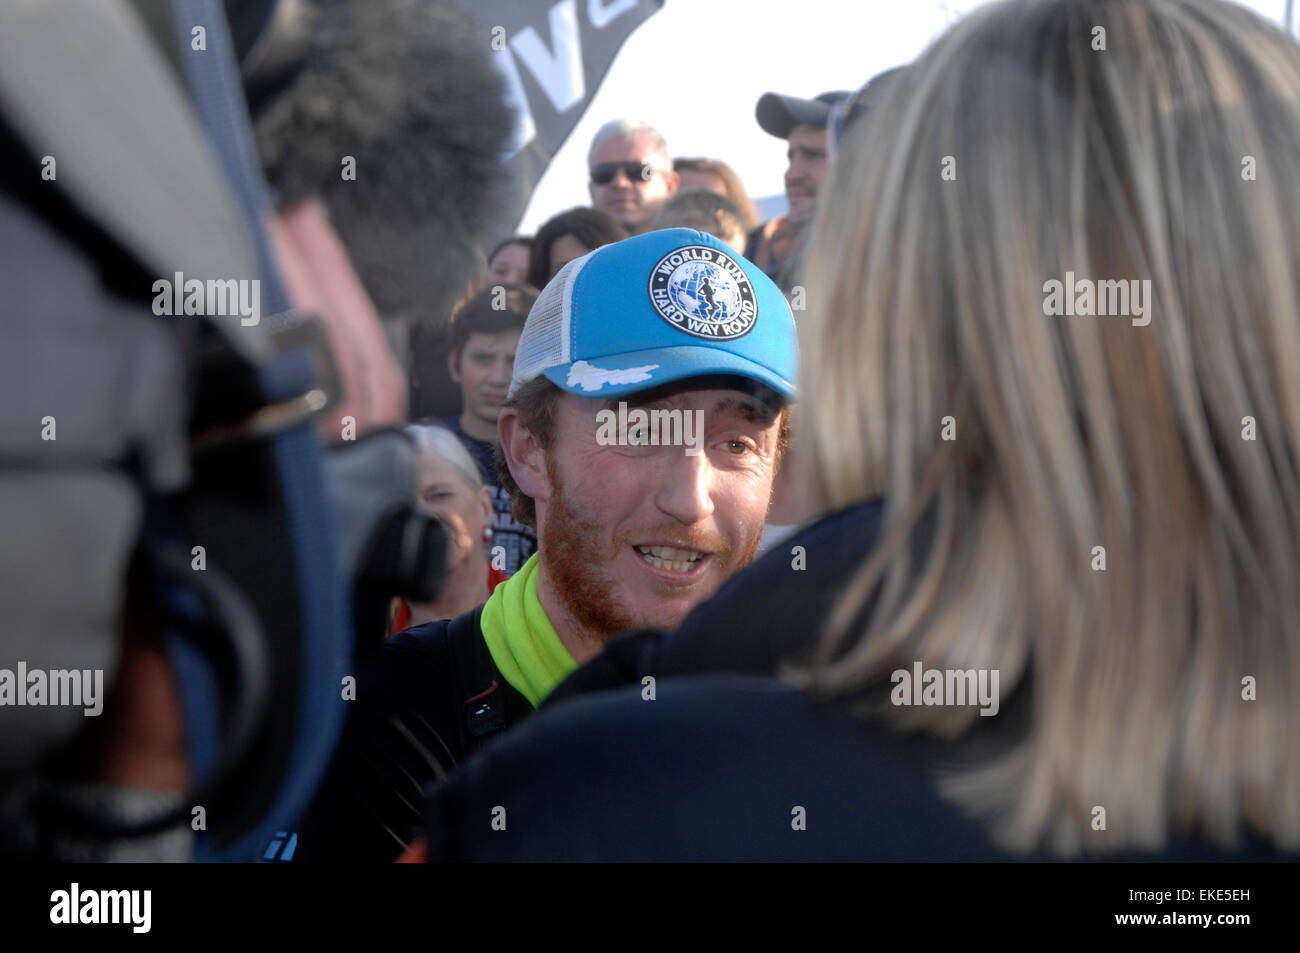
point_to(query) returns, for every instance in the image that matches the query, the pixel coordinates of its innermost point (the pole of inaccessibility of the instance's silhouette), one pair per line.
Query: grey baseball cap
(777, 113)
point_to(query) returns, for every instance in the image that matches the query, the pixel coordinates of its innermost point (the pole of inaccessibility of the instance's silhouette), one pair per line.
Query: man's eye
(738, 447)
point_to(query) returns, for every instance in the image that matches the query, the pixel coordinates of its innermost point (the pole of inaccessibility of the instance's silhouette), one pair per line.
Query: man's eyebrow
(642, 399)
(750, 408)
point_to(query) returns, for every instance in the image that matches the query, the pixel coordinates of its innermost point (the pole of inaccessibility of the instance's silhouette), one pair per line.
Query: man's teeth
(669, 557)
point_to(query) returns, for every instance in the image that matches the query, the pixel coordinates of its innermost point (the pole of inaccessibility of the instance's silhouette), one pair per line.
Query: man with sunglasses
(631, 173)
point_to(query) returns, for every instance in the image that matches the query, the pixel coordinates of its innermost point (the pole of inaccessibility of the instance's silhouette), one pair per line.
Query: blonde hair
(927, 302)
(735, 188)
(704, 211)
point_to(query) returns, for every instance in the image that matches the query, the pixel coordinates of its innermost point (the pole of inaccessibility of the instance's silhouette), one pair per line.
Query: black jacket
(432, 696)
(726, 766)
(716, 768)
(407, 726)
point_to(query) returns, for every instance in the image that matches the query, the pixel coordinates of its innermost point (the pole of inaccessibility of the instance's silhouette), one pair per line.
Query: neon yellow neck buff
(522, 640)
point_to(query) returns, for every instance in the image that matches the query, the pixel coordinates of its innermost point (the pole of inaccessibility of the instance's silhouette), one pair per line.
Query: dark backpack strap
(283, 551)
(479, 689)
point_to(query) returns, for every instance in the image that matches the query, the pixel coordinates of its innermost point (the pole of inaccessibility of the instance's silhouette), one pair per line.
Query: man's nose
(686, 493)
(501, 371)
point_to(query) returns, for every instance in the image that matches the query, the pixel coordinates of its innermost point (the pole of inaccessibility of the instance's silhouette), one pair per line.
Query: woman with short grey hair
(451, 488)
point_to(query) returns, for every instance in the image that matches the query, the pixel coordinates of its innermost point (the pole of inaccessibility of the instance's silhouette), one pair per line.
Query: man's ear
(485, 501)
(591, 190)
(453, 365)
(524, 455)
(672, 180)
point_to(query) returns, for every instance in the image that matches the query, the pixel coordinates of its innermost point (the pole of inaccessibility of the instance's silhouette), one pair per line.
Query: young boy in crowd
(484, 332)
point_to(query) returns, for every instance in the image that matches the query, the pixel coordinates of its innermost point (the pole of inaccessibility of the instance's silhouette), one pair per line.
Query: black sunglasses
(603, 173)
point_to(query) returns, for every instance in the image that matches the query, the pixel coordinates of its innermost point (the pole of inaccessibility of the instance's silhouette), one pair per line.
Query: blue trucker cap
(654, 309)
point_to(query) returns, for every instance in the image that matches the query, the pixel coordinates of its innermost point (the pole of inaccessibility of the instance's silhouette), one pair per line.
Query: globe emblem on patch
(703, 291)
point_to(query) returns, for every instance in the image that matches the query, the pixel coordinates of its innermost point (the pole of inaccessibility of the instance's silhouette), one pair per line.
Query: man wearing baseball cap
(641, 434)
(802, 123)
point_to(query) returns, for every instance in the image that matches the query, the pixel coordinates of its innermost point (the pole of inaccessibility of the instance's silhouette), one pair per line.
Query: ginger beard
(579, 564)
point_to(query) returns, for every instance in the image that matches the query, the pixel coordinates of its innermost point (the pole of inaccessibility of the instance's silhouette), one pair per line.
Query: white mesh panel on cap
(545, 340)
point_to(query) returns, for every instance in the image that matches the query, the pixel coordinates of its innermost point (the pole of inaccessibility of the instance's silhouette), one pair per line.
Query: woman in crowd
(1053, 323)
(508, 262)
(451, 488)
(716, 176)
(567, 236)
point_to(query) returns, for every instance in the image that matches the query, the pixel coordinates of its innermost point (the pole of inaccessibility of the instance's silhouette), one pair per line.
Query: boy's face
(482, 368)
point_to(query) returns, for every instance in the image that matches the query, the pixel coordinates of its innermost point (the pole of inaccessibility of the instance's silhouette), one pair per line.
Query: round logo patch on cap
(703, 291)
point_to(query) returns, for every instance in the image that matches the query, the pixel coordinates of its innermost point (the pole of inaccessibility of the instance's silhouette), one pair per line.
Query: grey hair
(626, 129)
(437, 441)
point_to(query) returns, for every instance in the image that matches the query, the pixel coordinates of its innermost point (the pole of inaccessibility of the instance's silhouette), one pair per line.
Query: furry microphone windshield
(407, 90)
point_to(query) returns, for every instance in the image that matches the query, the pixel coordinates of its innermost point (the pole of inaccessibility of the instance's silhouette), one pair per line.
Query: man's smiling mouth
(670, 557)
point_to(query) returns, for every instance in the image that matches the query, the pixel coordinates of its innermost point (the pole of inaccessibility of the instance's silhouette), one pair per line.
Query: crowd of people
(635, 187)
(813, 538)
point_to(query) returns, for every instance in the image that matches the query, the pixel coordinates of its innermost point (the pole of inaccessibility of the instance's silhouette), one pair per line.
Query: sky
(696, 69)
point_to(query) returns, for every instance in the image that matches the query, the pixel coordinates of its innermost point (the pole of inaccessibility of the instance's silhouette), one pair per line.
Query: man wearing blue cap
(641, 434)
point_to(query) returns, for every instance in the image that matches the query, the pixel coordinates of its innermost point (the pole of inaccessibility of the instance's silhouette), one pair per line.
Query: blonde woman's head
(1110, 502)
